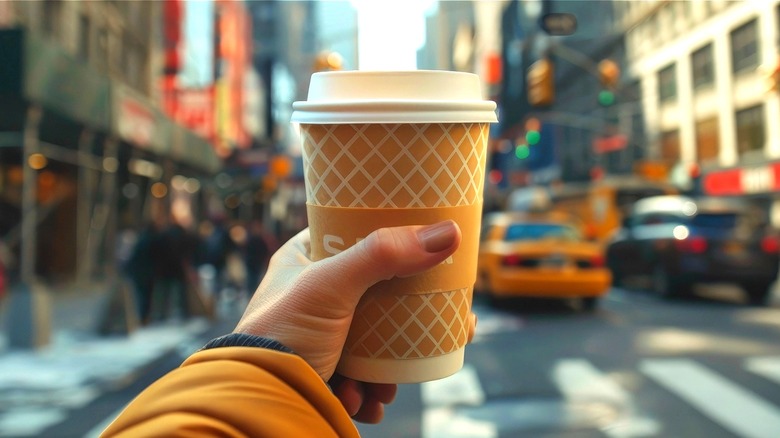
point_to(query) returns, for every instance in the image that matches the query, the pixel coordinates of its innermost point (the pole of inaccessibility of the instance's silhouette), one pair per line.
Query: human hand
(308, 306)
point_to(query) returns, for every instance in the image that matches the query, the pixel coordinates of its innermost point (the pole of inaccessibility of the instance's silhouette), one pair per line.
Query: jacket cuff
(245, 340)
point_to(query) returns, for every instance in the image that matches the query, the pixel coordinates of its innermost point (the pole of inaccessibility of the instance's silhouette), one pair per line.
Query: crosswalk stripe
(767, 367)
(454, 406)
(461, 388)
(445, 422)
(726, 403)
(441, 399)
(21, 422)
(580, 382)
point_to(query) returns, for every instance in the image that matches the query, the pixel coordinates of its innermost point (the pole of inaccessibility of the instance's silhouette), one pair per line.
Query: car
(678, 241)
(540, 255)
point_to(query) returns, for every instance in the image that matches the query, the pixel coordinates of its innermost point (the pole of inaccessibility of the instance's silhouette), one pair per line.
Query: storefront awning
(33, 69)
(744, 180)
(43, 73)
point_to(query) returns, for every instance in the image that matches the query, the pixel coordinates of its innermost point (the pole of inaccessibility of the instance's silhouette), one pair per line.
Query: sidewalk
(39, 387)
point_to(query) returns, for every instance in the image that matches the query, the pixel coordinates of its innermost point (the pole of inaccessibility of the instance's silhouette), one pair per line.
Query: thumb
(392, 252)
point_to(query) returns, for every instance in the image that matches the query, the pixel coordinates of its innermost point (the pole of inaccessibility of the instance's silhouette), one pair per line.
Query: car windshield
(519, 232)
(715, 220)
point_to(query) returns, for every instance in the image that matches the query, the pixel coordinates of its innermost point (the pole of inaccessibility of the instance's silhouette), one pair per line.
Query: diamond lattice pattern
(410, 326)
(394, 165)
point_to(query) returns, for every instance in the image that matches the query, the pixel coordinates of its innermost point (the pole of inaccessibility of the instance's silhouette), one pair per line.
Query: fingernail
(437, 237)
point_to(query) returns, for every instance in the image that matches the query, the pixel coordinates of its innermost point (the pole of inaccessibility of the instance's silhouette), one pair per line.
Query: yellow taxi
(540, 255)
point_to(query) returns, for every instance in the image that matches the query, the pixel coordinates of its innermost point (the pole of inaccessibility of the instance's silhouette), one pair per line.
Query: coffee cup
(383, 149)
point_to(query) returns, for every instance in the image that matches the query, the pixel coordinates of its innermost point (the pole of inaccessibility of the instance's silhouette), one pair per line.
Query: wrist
(246, 340)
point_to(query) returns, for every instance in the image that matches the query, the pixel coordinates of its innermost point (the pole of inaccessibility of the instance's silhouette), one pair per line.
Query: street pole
(86, 183)
(29, 239)
(29, 311)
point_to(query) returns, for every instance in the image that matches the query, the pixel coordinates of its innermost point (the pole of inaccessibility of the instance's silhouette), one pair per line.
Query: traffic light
(532, 134)
(609, 75)
(522, 151)
(541, 83)
(529, 137)
(606, 97)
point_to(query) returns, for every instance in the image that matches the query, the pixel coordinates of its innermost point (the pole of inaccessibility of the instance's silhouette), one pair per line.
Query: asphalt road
(637, 367)
(91, 419)
(640, 366)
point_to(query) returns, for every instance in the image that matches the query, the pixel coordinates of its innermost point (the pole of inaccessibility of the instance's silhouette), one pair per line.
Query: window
(539, 231)
(84, 36)
(744, 47)
(667, 85)
(707, 139)
(715, 220)
(750, 129)
(51, 18)
(687, 10)
(100, 54)
(659, 219)
(670, 146)
(133, 63)
(702, 67)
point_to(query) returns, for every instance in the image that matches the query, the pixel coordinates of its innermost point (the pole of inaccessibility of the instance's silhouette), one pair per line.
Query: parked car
(678, 241)
(540, 255)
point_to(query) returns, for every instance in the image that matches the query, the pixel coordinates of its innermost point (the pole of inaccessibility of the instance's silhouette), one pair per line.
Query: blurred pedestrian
(215, 245)
(275, 375)
(174, 262)
(140, 267)
(257, 251)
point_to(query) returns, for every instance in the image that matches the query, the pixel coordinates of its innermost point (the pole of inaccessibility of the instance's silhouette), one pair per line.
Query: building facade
(86, 150)
(710, 109)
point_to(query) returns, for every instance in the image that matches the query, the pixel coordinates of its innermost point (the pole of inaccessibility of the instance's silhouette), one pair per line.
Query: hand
(308, 306)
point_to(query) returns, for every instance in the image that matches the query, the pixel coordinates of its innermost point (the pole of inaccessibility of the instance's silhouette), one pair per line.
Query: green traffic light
(606, 98)
(522, 151)
(533, 137)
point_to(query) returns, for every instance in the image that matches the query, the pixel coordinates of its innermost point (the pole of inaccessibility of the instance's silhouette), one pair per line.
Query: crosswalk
(588, 398)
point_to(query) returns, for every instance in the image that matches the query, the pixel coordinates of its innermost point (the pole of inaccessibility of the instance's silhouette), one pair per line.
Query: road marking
(441, 402)
(492, 323)
(578, 380)
(726, 403)
(446, 422)
(582, 384)
(461, 388)
(29, 421)
(767, 367)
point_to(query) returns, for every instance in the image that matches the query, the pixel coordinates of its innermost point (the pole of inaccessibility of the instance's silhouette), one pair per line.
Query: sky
(199, 32)
(390, 32)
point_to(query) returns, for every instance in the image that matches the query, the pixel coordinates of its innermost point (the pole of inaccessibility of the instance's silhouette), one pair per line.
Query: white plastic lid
(414, 96)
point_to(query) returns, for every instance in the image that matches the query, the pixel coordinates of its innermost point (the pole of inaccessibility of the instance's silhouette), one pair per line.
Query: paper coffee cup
(385, 149)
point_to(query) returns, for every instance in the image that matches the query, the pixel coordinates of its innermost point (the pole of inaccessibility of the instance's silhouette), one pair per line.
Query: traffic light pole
(29, 311)
(576, 58)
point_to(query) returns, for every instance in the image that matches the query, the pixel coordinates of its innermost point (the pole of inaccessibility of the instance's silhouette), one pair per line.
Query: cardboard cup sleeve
(361, 177)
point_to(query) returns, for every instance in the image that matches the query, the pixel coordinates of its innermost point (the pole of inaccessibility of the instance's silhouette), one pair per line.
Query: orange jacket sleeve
(236, 392)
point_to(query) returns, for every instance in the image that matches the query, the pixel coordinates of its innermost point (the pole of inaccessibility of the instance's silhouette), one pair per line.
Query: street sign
(558, 23)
